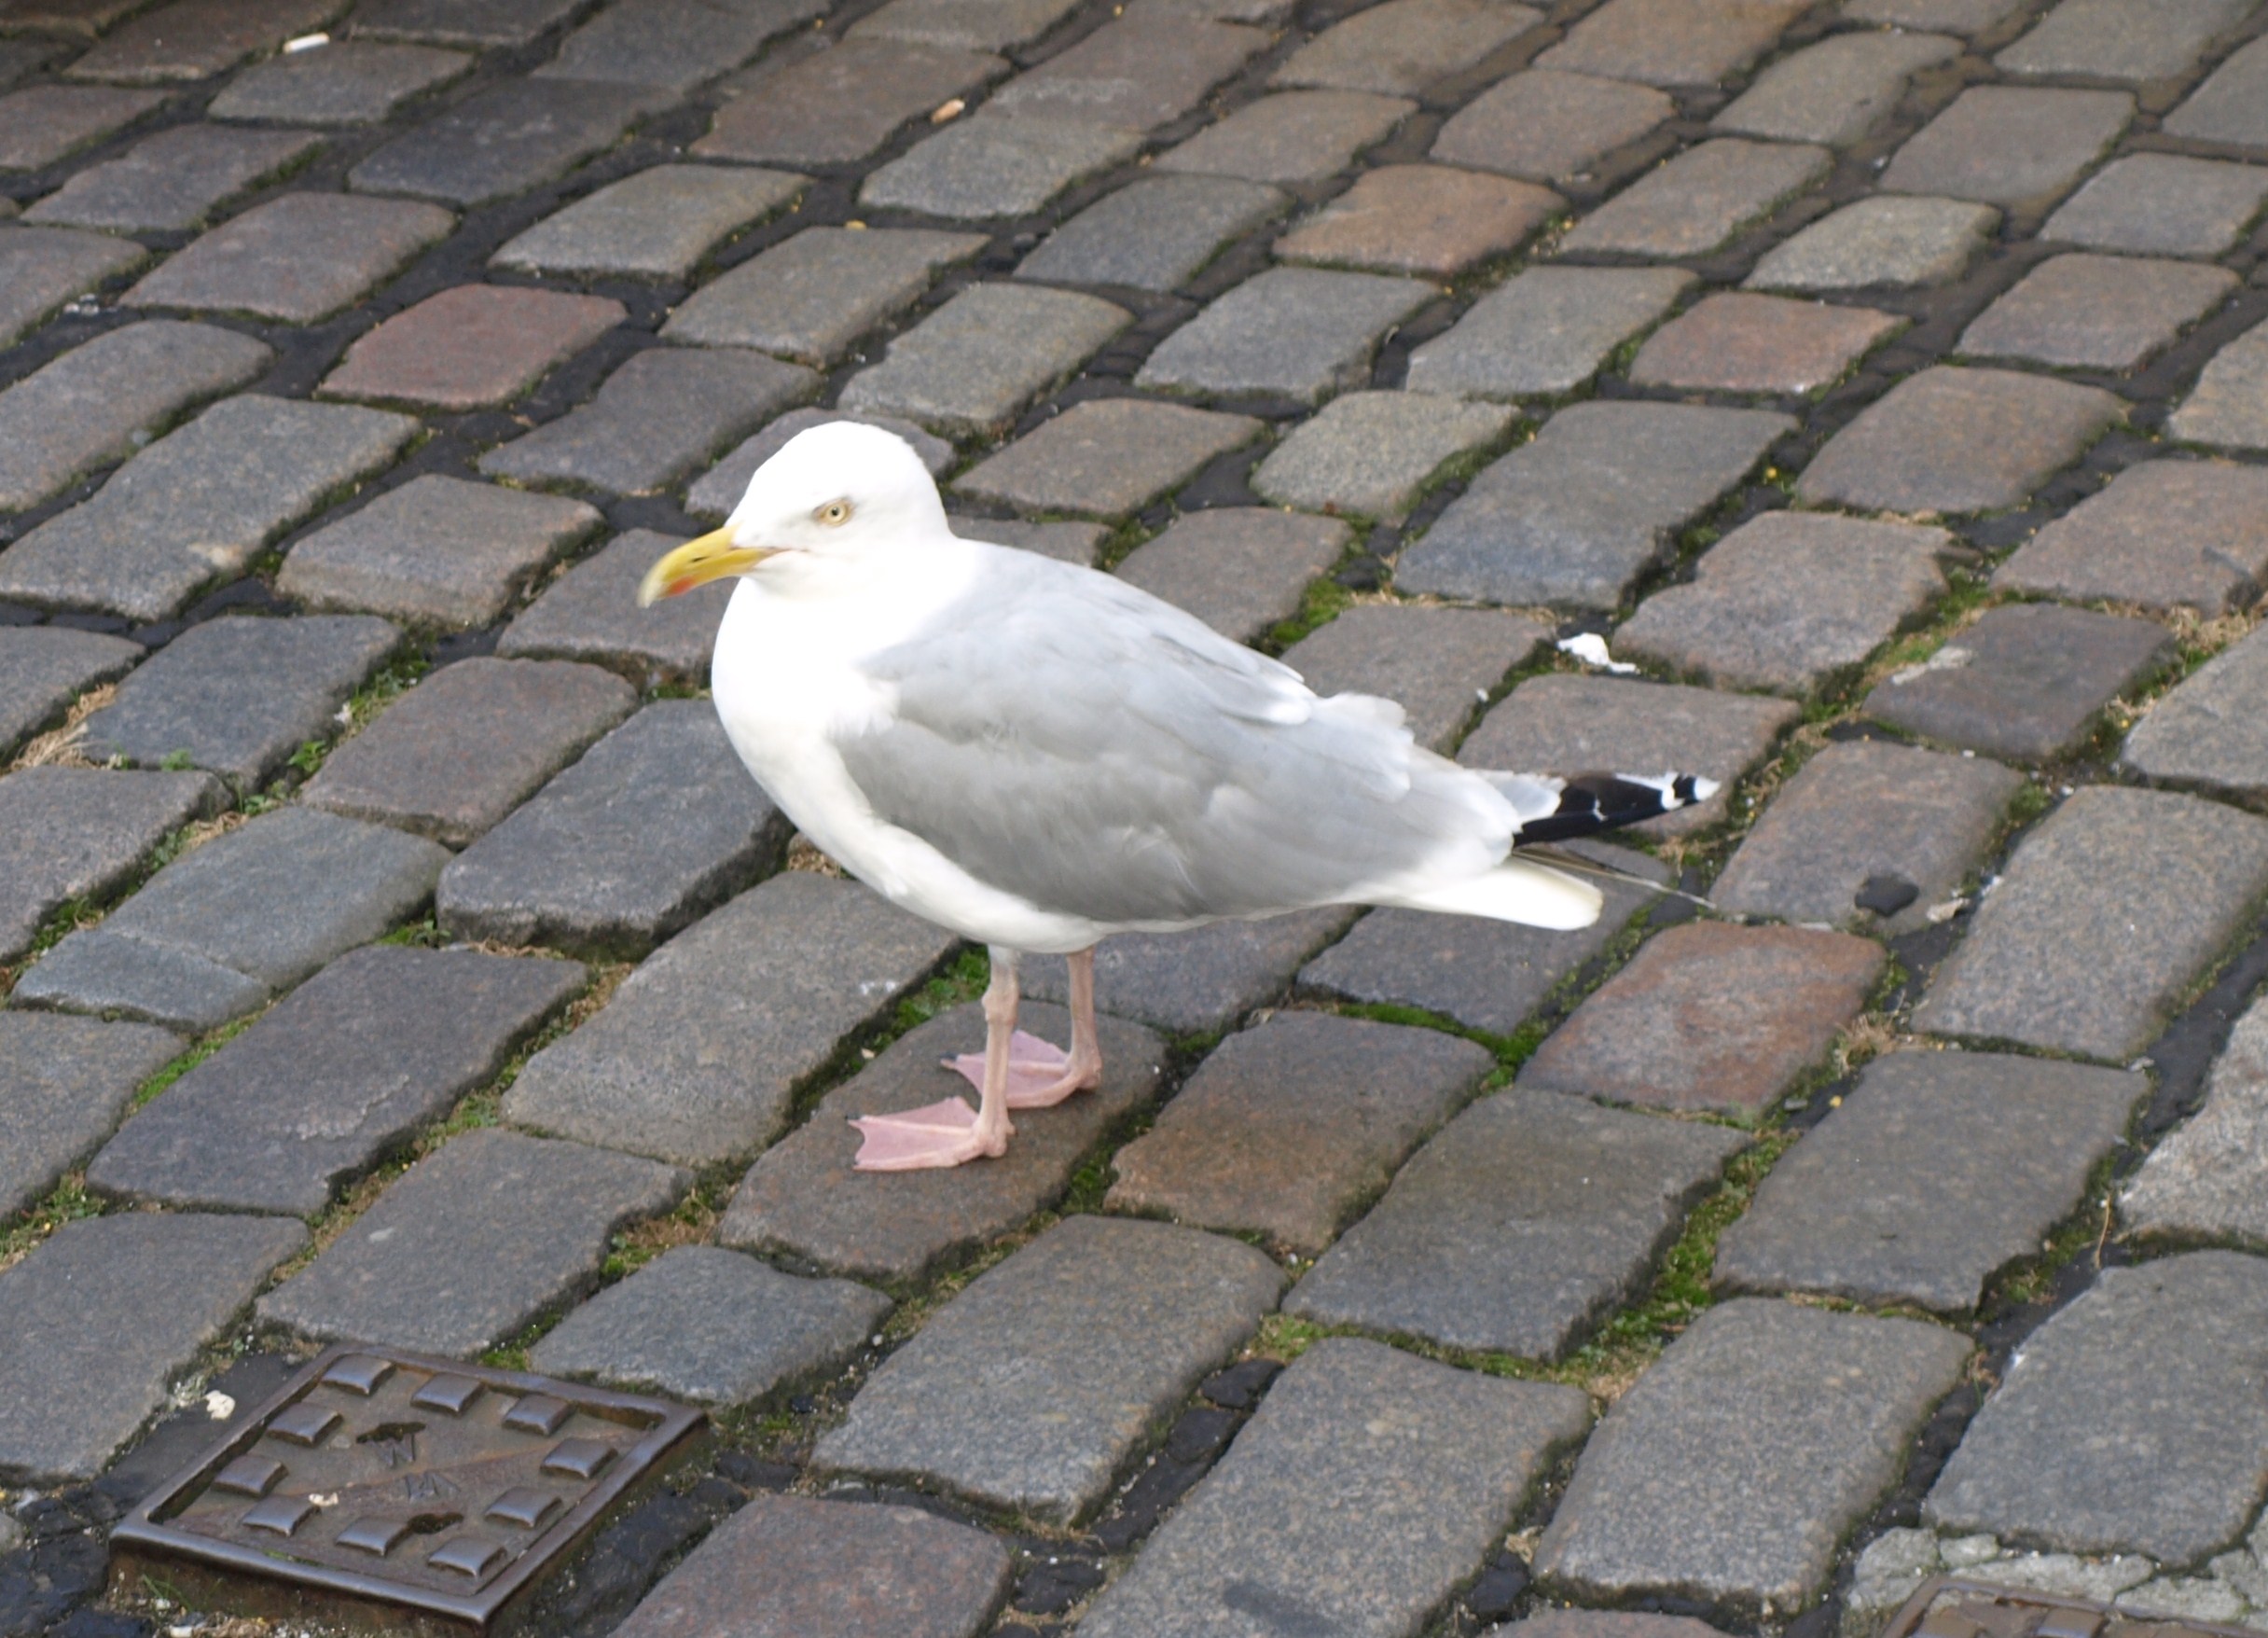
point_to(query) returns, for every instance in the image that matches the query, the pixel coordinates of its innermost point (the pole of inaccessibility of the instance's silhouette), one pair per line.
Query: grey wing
(1073, 741)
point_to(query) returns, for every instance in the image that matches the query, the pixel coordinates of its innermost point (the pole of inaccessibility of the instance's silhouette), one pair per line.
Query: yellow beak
(697, 563)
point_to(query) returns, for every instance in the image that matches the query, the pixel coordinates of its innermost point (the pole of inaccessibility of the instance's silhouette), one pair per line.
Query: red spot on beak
(678, 588)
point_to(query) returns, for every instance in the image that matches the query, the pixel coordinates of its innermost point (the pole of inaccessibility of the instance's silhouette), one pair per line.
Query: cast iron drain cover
(1947, 1606)
(425, 1485)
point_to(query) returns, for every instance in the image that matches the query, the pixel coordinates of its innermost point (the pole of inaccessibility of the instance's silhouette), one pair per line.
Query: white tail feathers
(1515, 891)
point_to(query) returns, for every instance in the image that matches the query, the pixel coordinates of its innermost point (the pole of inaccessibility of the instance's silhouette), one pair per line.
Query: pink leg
(950, 1133)
(1041, 1075)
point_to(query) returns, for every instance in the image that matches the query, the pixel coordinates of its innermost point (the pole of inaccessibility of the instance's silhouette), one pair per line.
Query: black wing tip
(1590, 803)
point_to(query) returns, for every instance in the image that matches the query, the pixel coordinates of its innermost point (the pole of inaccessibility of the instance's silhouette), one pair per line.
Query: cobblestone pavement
(394, 951)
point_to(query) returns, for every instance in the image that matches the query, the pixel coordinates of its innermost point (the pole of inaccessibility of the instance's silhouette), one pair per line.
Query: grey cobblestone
(1370, 453)
(1239, 569)
(1520, 1226)
(2139, 1377)
(2162, 204)
(996, 167)
(2207, 732)
(239, 696)
(437, 551)
(2109, 910)
(1544, 332)
(1109, 1324)
(698, 1054)
(1577, 515)
(802, 1200)
(2118, 39)
(1863, 811)
(333, 1077)
(1134, 73)
(513, 135)
(1298, 332)
(469, 744)
(220, 931)
(2225, 409)
(1403, 46)
(298, 258)
(191, 39)
(349, 82)
(43, 267)
(654, 826)
(44, 668)
(2005, 1143)
(2096, 312)
(78, 833)
(199, 503)
(2164, 535)
(667, 411)
(1899, 243)
(1834, 91)
(700, 1323)
(1549, 126)
(1439, 664)
(1106, 457)
(1293, 136)
(972, 364)
(719, 490)
(1152, 234)
(673, 45)
(1735, 1466)
(844, 103)
(2228, 107)
(590, 613)
(1430, 1463)
(657, 223)
(2206, 1180)
(77, 1396)
(1288, 1125)
(94, 403)
(1671, 42)
(1199, 981)
(459, 23)
(42, 124)
(968, 25)
(808, 298)
(65, 1085)
(172, 180)
(473, 1242)
(1700, 198)
(2021, 146)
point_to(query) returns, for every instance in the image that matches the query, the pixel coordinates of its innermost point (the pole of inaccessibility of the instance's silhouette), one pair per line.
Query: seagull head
(837, 490)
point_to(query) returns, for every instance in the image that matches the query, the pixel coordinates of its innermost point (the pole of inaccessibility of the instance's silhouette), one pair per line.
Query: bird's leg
(1039, 1075)
(950, 1133)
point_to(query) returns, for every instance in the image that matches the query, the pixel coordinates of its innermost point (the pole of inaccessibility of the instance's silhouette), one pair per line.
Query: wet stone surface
(239, 696)
(1429, 1462)
(699, 1322)
(1109, 1323)
(468, 744)
(1709, 1015)
(337, 1075)
(1573, 517)
(696, 1056)
(1939, 1169)
(1517, 1229)
(656, 824)
(2026, 682)
(2144, 1375)
(1735, 1466)
(205, 940)
(1868, 811)
(1287, 1126)
(65, 1085)
(75, 1397)
(802, 1201)
(472, 1243)
(2107, 912)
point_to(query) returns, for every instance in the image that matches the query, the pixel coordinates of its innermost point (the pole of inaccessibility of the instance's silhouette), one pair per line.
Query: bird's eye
(834, 513)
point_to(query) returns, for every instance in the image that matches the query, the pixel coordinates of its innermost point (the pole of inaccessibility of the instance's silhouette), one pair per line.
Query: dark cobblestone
(590, 614)
(350, 82)
(511, 136)
(844, 103)
(656, 224)
(44, 668)
(808, 298)
(43, 267)
(171, 180)
(65, 1085)
(1152, 234)
(78, 833)
(283, 259)
(39, 126)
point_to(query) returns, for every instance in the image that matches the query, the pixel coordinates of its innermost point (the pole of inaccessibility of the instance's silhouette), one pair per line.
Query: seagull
(1036, 754)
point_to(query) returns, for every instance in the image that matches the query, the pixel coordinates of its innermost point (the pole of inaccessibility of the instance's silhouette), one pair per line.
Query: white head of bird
(833, 494)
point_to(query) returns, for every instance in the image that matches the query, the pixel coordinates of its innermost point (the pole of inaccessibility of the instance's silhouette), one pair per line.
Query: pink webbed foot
(940, 1136)
(1039, 1075)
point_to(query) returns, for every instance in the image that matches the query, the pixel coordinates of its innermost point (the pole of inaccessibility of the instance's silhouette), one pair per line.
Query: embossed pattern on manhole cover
(1948, 1606)
(436, 1486)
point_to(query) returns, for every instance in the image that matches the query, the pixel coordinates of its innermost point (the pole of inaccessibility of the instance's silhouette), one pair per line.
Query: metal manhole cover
(1949, 1606)
(423, 1484)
